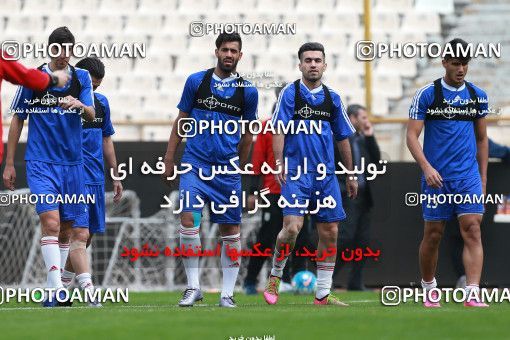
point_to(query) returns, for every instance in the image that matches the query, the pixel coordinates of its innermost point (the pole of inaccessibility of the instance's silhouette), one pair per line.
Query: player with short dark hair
(213, 95)
(54, 160)
(308, 99)
(454, 161)
(97, 146)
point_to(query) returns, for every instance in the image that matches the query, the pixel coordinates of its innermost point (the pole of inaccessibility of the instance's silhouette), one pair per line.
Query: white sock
(324, 278)
(190, 237)
(473, 287)
(64, 252)
(230, 268)
(428, 285)
(51, 256)
(67, 278)
(85, 281)
(278, 264)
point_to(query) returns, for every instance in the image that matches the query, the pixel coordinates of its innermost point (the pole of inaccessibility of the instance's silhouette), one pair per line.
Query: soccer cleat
(474, 303)
(54, 302)
(95, 304)
(190, 296)
(271, 291)
(329, 299)
(430, 304)
(227, 301)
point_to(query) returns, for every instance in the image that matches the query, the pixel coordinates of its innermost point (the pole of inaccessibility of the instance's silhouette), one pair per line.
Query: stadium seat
(305, 22)
(275, 6)
(385, 22)
(157, 6)
(118, 66)
(191, 63)
(23, 23)
(436, 6)
(404, 67)
(148, 24)
(40, 7)
(160, 43)
(349, 7)
(387, 85)
(393, 6)
(10, 6)
(133, 82)
(315, 7)
(117, 7)
(202, 45)
(421, 22)
(171, 82)
(127, 133)
(154, 65)
(101, 23)
(81, 7)
(341, 23)
(288, 44)
(73, 21)
(179, 23)
(342, 83)
(191, 6)
(235, 6)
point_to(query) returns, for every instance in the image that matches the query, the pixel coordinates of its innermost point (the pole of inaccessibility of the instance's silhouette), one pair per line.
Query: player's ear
(216, 53)
(444, 62)
(240, 55)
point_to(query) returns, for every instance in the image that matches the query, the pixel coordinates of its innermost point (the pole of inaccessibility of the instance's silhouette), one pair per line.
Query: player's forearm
(109, 155)
(244, 148)
(173, 142)
(482, 156)
(344, 148)
(278, 143)
(89, 114)
(414, 146)
(13, 139)
(18, 74)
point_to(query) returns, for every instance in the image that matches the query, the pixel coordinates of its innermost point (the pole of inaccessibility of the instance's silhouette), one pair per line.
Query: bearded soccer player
(54, 160)
(34, 79)
(308, 100)
(217, 95)
(97, 142)
(454, 161)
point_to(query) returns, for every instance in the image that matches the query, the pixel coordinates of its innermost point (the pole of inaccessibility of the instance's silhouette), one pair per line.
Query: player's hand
(352, 188)
(169, 171)
(62, 76)
(70, 103)
(368, 129)
(9, 177)
(433, 177)
(117, 191)
(281, 178)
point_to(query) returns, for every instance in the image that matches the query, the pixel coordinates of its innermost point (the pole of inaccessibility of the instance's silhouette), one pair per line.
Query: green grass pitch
(156, 316)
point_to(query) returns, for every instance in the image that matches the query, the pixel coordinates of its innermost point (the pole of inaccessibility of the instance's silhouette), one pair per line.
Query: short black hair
(228, 37)
(61, 35)
(456, 53)
(311, 46)
(93, 65)
(353, 109)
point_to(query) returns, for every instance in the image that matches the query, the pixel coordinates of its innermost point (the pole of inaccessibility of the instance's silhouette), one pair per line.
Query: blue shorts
(216, 191)
(306, 188)
(54, 180)
(445, 208)
(96, 216)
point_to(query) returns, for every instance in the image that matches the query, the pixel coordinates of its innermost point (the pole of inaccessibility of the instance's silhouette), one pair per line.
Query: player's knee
(292, 228)
(80, 235)
(51, 228)
(433, 238)
(329, 233)
(191, 219)
(471, 232)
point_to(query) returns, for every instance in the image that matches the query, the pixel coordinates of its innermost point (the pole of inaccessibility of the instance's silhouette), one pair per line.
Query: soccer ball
(304, 282)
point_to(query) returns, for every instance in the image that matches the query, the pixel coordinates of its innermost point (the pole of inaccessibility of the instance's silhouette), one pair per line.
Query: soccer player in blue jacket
(217, 95)
(454, 162)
